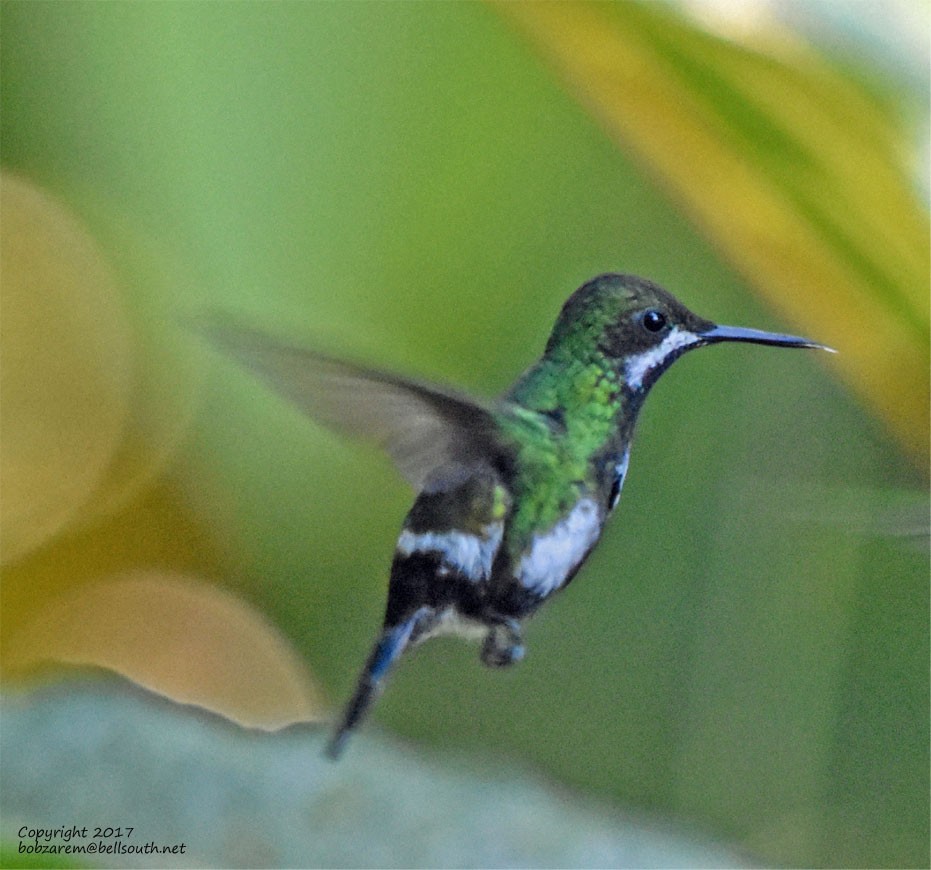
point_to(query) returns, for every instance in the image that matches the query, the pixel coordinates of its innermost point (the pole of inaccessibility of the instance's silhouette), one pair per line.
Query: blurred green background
(412, 185)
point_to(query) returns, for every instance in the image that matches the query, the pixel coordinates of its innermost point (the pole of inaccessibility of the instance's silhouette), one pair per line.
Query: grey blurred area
(99, 752)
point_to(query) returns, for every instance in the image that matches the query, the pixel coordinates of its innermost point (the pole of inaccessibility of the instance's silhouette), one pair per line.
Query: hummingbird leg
(387, 650)
(503, 645)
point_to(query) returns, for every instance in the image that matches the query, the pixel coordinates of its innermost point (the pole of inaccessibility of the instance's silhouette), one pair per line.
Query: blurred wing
(435, 437)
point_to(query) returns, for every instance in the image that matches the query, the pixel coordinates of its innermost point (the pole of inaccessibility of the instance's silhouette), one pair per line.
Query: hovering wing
(434, 436)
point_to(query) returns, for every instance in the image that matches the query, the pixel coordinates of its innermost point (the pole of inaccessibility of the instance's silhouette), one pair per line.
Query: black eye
(653, 320)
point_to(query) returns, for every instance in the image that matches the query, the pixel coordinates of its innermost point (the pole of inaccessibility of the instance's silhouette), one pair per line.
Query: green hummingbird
(512, 493)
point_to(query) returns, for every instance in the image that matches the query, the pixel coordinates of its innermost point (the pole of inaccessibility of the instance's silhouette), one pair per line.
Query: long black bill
(758, 336)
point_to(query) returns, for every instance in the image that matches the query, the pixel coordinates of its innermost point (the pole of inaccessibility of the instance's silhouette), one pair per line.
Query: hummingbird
(513, 492)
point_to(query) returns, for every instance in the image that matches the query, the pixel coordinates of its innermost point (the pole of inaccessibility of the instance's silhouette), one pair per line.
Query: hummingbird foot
(503, 645)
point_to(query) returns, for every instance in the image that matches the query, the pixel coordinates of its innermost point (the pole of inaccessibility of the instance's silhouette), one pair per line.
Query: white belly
(556, 553)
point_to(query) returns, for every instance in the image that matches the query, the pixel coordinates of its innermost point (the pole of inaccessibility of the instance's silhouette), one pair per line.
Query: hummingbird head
(642, 328)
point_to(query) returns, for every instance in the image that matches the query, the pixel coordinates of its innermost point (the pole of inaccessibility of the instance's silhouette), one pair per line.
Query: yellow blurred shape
(168, 373)
(189, 641)
(65, 367)
(790, 170)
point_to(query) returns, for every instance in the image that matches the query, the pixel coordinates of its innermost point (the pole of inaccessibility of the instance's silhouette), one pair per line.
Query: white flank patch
(450, 621)
(470, 555)
(620, 472)
(554, 555)
(638, 367)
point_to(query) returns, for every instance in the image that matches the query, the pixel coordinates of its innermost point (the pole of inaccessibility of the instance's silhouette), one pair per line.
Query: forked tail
(385, 653)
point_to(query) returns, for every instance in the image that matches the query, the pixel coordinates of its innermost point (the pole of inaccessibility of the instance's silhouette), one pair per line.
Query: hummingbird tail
(385, 653)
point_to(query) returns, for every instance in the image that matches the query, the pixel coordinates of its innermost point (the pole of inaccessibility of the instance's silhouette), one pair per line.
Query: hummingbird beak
(758, 336)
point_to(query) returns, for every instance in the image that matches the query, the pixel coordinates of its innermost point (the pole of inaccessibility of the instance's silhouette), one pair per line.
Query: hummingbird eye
(653, 320)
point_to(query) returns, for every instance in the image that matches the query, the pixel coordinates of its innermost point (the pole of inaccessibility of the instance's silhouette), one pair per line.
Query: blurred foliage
(10, 857)
(794, 172)
(408, 184)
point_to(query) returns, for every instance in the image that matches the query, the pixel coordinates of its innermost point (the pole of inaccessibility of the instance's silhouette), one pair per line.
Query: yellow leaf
(65, 367)
(187, 640)
(98, 385)
(789, 169)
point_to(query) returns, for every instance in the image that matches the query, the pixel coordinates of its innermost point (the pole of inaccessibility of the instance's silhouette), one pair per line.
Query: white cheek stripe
(464, 552)
(554, 555)
(638, 367)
